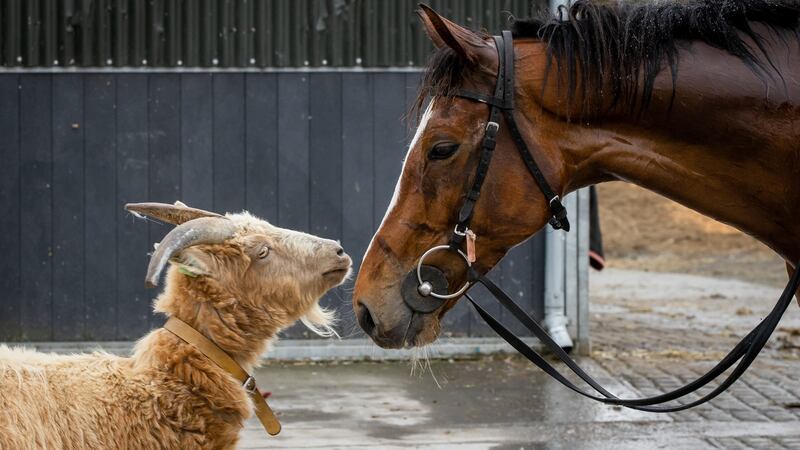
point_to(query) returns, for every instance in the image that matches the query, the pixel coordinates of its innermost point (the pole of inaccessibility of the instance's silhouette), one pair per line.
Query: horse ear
(445, 33)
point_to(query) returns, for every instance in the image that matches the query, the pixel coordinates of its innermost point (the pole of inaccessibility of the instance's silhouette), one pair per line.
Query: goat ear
(445, 33)
(193, 262)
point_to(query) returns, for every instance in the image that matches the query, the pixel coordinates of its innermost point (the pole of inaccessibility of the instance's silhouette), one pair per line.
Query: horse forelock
(443, 76)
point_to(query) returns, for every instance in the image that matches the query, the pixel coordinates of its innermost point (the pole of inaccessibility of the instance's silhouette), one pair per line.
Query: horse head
(437, 174)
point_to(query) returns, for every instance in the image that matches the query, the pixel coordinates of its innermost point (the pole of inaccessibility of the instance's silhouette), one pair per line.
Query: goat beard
(320, 321)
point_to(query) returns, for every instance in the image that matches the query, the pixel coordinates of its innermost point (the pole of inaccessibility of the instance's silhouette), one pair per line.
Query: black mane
(623, 46)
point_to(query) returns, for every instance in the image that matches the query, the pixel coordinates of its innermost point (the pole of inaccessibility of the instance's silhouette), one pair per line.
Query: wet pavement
(653, 332)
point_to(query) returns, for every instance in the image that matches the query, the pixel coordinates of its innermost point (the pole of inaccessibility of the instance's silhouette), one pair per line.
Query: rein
(429, 278)
(204, 345)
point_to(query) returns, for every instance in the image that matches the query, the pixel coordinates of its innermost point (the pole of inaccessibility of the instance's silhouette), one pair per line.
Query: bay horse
(698, 101)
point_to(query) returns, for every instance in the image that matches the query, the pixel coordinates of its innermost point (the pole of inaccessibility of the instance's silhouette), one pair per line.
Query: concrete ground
(651, 332)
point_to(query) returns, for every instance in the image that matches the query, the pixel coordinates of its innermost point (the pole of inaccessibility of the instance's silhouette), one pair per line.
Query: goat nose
(365, 318)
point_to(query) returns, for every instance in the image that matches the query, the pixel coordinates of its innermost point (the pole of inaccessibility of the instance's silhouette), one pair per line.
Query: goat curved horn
(175, 214)
(205, 230)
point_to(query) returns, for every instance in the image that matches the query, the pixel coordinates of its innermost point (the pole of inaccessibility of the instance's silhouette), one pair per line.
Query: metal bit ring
(425, 289)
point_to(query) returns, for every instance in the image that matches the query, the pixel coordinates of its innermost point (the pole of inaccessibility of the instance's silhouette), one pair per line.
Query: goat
(236, 279)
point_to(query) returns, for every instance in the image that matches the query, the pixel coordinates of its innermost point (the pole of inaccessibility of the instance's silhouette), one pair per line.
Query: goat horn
(175, 214)
(205, 230)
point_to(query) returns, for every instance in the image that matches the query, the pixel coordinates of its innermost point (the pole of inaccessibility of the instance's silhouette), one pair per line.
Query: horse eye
(442, 151)
(263, 253)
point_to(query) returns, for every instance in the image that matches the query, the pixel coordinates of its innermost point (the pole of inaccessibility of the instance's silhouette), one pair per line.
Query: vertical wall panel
(49, 35)
(68, 206)
(358, 175)
(155, 33)
(357, 164)
(133, 300)
(164, 137)
(229, 150)
(325, 171)
(31, 34)
(263, 34)
(197, 140)
(100, 243)
(173, 33)
(11, 32)
(10, 302)
(103, 48)
(261, 161)
(293, 186)
(67, 38)
(191, 42)
(325, 152)
(35, 205)
(516, 281)
(226, 15)
(163, 130)
(86, 25)
(389, 139)
(121, 31)
(138, 47)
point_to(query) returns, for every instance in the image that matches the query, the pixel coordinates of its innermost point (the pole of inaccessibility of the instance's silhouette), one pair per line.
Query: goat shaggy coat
(167, 395)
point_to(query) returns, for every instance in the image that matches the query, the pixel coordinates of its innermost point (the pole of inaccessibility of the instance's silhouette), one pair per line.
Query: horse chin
(413, 329)
(428, 329)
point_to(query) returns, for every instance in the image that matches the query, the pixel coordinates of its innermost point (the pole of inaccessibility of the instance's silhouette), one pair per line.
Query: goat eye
(442, 151)
(263, 253)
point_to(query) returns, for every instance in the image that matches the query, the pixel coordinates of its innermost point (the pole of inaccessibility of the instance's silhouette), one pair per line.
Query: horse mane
(610, 53)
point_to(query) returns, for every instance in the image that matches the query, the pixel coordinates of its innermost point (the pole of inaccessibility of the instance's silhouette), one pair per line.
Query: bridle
(425, 284)
(502, 102)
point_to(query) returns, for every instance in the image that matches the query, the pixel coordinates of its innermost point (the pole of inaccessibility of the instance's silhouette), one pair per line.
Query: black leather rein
(502, 102)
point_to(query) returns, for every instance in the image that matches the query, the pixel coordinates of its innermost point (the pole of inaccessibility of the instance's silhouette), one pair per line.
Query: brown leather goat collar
(212, 351)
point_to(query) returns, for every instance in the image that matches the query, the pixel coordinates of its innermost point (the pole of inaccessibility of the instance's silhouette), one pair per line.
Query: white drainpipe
(555, 321)
(555, 245)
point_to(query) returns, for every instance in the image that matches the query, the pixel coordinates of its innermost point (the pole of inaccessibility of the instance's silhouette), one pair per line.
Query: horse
(697, 101)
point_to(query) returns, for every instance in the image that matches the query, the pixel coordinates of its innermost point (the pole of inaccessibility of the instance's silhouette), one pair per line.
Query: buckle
(249, 384)
(492, 127)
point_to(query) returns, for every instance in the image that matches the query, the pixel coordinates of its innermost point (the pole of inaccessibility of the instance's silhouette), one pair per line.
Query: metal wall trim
(185, 70)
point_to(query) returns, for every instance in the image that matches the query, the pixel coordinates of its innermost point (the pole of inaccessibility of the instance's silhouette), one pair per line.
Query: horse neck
(724, 171)
(725, 146)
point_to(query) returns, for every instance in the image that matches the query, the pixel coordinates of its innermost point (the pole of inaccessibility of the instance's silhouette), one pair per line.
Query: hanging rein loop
(502, 103)
(745, 352)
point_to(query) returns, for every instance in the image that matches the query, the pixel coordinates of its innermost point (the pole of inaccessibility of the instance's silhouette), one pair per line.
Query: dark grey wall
(233, 33)
(315, 151)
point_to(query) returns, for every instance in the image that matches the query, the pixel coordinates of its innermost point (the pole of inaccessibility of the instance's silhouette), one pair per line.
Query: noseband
(419, 290)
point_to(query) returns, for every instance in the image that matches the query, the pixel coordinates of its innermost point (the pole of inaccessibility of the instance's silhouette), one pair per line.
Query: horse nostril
(340, 251)
(365, 319)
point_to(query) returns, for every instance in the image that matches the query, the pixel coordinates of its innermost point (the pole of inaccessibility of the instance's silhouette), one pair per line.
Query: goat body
(176, 400)
(239, 287)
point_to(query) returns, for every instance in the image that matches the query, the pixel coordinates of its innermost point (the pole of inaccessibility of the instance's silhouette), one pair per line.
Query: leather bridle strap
(558, 220)
(487, 147)
(218, 356)
(745, 352)
(503, 100)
